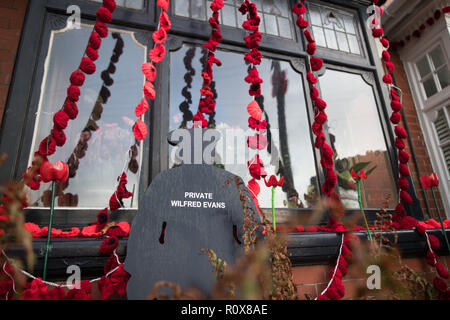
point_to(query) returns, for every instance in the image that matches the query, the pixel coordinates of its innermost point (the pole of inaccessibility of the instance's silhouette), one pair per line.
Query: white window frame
(427, 108)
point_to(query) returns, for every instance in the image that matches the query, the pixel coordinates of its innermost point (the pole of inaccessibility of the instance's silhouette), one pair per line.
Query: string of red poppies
(320, 117)
(441, 273)
(113, 281)
(417, 33)
(207, 104)
(69, 110)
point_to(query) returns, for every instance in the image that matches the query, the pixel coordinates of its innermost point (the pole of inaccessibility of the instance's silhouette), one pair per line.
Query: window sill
(304, 248)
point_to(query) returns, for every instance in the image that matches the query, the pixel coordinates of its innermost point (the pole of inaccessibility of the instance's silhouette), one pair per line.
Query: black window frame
(26, 80)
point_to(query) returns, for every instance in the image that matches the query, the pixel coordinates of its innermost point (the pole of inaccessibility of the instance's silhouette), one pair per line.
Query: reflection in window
(442, 127)
(433, 71)
(275, 14)
(284, 109)
(129, 4)
(357, 139)
(334, 29)
(98, 140)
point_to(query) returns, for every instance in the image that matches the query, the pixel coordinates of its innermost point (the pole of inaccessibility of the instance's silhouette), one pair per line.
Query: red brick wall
(416, 135)
(312, 280)
(12, 13)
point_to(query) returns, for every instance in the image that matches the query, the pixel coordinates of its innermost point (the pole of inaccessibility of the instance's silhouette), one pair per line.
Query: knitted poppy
(253, 40)
(308, 36)
(104, 15)
(327, 157)
(159, 36)
(395, 117)
(163, 4)
(119, 280)
(387, 79)
(140, 130)
(256, 124)
(87, 66)
(95, 41)
(330, 180)
(399, 144)
(92, 53)
(299, 9)
(316, 63)
(77, 78)
(403, 183)
(61, 119)
(400, 132)
(384, 42)
(207, 105)
(102, 219)
(377, 32)
(157, 53)
(403, 156)
(311, 48)
(440, 284)
(110, 5)
(386, 56)
(213, 60)
(164, 21)
(302, 23)
(59, 135)
(199, 118)
(314, 93)
(253, 76)
(311, 78)
(390, 66)
(116, 231)
(253, 57)
(255, 90)
(73, 93)
(404, 170)
(141, 108)
(321, 118)
(252, 24)
(217, 5)
(101, 29)
(211, 45)
(441, 270)
(149, 70)
(149, 90)
(71, 109)
(256, 168)
(109, 245)
(405, 197)
(434, 242)
(396, 106)
(320, 104)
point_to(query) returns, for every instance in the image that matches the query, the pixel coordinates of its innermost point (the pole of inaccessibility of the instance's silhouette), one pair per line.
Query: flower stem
(440, 219)
(273, 211)
(48, 247)
(358, 183)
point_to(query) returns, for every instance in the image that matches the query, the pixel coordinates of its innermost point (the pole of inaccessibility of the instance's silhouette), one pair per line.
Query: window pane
(353, 43)
(437, 56)
(331, 39)
(131, 4)
(182, 8)
(229, 16)
(424, 67)
(198, 10)
(430, 87)
(342, 41)
(349, 24)
(97, 142)
(314, 14)
(285, 28)
(285, 111)
(444, 77)
(357, 139)
(271, 24)
(319, 36)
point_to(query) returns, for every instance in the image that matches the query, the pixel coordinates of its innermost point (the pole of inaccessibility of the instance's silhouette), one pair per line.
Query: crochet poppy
(116, 231)
(441, 270)
(119, 280)
(73, 93)
(390, 66)
(110, 5)
(149, 90)
(164, 21)
(403, 156)
(404, 170)
(256, 167)
(61, 119)
(253, 57)
(386, 56)
(400, 132)
(159, 36)
(320, 140)
(395, 117)
(387, 79)
(327, 157)
(320, 104)
(140, 130)
(252, 24)
(217, 5)
(255, 90)
(102, 219)
(141, 108)
(311, 78)
(403, 183)
(302, 23)
(396, 106)
(384, 42)
(299, 9)
(199, 118)
(71, 109)
(59, 135)
(377, 32)
(311, 48)
(256, 124)
(434, 242)
(87, 66)
(308, 36)
(405, 197)
(253, 40)
(101, 29)
(207, 105)
(77, 78)
(157, 53)
(253, 76)
(104, 15)
(440, 284)
(149, 70)
(316, 63)
(109, 245)
(314, 93)
(95, 41)
(91, 53)
(163, 4)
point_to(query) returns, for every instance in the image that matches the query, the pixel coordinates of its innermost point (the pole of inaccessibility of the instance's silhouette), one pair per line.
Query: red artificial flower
(199, 119)
(149, 70)
(316, 63)
(71, 109)
(441, 270)
(211, 45)
(163, 4)
(59, 135)
(110, 5)
(302, 23)
(61, 119)
(253, 40)
(400, 132)
(102, 219)
(253, 76)
(73, 93)
(360, 175)
(434, 180)
(101, 28)
(421, 228)
(81, 294)
(104, 15)
(386, 56)
(47, 147)
(33, 182)
(95, 41)
(141, 108)
(119, 280)
(327, 157)
(164, 21)
(403, 183)
(91, 54)
(77, 78)
(311, 78)
(387, 79)
(217, 36)
(308, 36)
(403, 156)
(90, 231)
(160, 36)
(157, 53)
(59, 171)
(255, 90)
(311, 48)
(299, 9)
(253, 57)
(320, 140)
(384, 42)
(405, 197)
(87, 66)
(216, 5)
(256, 168)
(440, 284)
(320, 104)
(116, 231)
(257, 124)
(149, 90)
(257, 142)
(140, 130)
(109, 245)
(377, 32)
(314, 93)
(395, 117)
(207, 105)
(252, 24)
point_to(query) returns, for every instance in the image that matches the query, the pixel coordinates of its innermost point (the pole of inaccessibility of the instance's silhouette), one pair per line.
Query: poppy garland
(156, 55)
(207, 105)
(69, 110)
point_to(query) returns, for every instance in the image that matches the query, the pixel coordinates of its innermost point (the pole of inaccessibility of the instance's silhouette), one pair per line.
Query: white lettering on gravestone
(198, 204)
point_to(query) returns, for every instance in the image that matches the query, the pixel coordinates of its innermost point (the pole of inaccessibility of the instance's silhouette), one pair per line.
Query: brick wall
(12, 13)
(416, 135)
(312, 280)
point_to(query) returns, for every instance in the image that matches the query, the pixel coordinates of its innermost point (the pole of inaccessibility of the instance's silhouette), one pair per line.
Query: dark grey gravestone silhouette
(184, 210)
